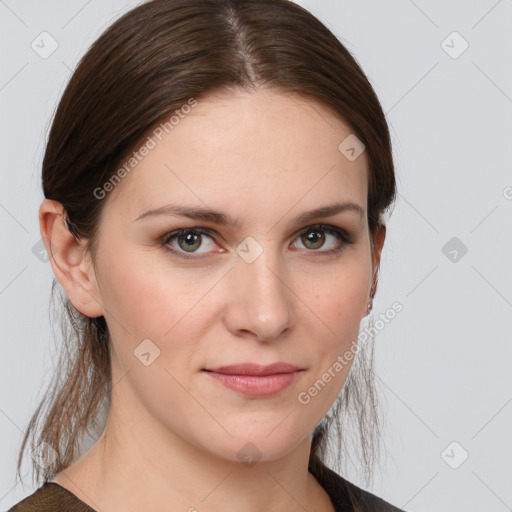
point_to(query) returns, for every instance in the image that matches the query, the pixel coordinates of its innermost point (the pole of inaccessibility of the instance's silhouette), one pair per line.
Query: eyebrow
(217, 217)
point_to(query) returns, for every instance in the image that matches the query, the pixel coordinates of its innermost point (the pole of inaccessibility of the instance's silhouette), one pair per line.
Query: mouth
(256, 381)
(255, 369)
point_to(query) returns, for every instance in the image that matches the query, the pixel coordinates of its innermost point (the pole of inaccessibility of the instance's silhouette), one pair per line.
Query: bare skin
(174, 435)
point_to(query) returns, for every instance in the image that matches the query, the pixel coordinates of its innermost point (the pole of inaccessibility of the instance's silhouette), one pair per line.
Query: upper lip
(255, 369)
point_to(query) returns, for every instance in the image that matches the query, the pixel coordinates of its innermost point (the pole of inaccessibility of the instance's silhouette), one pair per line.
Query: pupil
(314, 237)
(190, 240)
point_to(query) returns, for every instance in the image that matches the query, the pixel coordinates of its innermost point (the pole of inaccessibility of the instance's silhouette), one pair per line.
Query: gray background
(444, 361)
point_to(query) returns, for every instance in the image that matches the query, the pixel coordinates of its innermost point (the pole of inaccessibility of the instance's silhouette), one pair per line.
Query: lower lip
(256, 386)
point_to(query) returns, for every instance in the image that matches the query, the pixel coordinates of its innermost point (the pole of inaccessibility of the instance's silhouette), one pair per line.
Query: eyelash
(343, 238)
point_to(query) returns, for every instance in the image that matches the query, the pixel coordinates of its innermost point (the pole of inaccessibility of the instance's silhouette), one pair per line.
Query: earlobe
(69, 261)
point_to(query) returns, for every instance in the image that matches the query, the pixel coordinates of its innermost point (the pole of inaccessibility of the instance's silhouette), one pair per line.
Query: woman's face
(268, 288)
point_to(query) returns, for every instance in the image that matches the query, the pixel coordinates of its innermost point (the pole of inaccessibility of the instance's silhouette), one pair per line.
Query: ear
(378, 243)
(71, 264)
(380, 236)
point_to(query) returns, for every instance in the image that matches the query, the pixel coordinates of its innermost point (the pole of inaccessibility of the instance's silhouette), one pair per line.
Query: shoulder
(48, 498)
(345, 494)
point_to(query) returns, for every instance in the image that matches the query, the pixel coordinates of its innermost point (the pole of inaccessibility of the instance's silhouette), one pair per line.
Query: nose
(260, 298)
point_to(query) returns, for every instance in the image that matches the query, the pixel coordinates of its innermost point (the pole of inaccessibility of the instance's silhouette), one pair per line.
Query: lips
(255, 369)
(254, 380)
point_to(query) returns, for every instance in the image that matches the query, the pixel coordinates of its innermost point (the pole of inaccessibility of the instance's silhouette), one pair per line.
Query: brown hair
(145, 66)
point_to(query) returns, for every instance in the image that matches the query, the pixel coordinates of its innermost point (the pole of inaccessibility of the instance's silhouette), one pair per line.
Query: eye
(187, 240)
(315, 238)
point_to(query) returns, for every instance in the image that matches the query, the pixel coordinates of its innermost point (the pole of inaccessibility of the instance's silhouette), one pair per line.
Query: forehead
(249, 150)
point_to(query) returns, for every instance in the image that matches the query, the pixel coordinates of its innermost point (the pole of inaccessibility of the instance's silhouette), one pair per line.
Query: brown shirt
(345, 496)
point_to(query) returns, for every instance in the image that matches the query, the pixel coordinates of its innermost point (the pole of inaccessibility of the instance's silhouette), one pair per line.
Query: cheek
(140, 291)
(341, 299)
(136, 300)
(337, 305)
(147, 299)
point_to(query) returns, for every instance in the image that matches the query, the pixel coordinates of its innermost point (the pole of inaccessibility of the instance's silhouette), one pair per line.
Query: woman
(214, 179)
